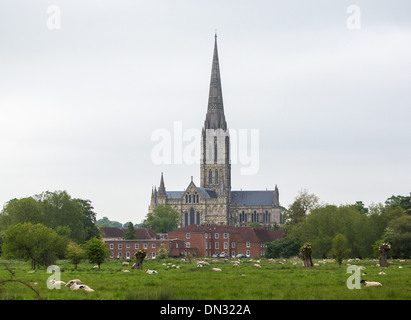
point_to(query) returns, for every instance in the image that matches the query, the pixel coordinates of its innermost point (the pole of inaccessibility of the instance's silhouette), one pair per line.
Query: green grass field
(272, 281)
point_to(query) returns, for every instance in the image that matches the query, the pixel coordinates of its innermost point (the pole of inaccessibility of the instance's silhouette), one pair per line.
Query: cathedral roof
(253, 198)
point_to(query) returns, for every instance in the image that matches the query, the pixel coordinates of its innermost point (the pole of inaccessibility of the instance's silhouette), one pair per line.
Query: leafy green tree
(131, 232)
(338, 249)
(400, 237)
(301, 207)
(284, 248)
(163, 219)
(96, 251)
(75, 253)
(37, 243)
(162, 252)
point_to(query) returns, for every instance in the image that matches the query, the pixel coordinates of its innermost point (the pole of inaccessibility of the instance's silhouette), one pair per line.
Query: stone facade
(214, 203)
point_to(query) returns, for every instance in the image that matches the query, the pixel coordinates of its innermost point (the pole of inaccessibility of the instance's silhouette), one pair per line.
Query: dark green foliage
(284, 248)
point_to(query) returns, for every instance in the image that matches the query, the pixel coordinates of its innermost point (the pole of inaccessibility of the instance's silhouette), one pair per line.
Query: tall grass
(272, 281)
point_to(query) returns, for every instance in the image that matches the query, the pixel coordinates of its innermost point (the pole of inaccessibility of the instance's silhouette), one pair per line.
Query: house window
(248, 244)
(247, 252)
(127, 245)
(225, 235)
(119, 255)
(187, 235)
(137, 246)
(120, 246)
(225, 245)
(188, 245)
(153, 255)
(217, 245)
(111, 246)
(145, 246)
(127, 255)
(216, 235)
(176, 245)
(153, 245)
(233, 244)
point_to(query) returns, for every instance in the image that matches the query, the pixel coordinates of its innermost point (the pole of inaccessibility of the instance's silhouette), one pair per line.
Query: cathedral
(214, 203)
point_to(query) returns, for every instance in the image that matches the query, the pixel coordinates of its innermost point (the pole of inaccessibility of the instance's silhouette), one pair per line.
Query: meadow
(280, 279)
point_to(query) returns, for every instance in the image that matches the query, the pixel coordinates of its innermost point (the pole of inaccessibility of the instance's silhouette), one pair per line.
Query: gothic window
(189, 198)
(186, 219)
(186, 198)
(210, 177)
(197, 198)
(198, 217)
(192, 216)
(216, 176)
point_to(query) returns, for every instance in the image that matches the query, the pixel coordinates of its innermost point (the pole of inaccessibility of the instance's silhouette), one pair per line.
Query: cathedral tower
(215, 167)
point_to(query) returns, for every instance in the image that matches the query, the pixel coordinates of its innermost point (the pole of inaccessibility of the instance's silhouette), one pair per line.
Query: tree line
(362, 230)
(48, 226)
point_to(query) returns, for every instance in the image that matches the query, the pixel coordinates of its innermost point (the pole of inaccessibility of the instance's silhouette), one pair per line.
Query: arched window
(186, 219)
(210, 177)
(198, 217)
(216, 176)
(191, 216)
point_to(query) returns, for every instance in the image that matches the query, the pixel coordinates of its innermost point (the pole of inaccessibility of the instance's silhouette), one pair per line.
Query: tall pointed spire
(162, 188)
(215, 118)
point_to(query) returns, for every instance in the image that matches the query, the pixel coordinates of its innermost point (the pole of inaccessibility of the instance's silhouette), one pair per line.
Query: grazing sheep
(370, 284)
(216, 269)
(71, 282)
(54, 282)
(125, 270)
(75, 286)
(125, 264)
(382, 272)
(402, 260)
(257, 265)
(151, 271)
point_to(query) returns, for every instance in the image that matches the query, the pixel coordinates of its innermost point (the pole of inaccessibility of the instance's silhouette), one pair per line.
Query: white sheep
(370, 283)
(75, 286)
(382, 272)
(125, 264)
(125, 270)
(71, 282)
(257, 265)
(151, 271)
(216, 269)
(58, 283)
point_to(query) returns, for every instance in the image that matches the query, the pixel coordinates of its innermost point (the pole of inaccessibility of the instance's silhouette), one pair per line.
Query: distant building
(199, 240)
(213, 202)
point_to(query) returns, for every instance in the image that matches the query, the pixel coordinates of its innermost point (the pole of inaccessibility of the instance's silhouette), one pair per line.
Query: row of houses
(199, 240)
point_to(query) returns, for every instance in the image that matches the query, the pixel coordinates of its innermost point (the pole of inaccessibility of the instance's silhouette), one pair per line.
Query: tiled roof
(253, 198)
(141, 233)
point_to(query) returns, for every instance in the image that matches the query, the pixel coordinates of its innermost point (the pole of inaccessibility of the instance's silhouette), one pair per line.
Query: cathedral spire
(215, 118)
(161, 188)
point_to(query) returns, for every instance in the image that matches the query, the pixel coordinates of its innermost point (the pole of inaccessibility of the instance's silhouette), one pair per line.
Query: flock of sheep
(72, 284)
(76, 284)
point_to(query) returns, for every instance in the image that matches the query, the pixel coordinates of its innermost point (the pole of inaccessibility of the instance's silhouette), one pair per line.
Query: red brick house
(200, 240)
(146, 239)
(213, 240)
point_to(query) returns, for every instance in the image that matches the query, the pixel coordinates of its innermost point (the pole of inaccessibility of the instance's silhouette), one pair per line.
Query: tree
(131, 232)
(75, 253)
(163, 219)
(37, 243)
(305, 255)
(53, 209)
(96, 251)
(400, 237)
(282, 248)
(301, 207)
(140, 255)
(162, 252)
(338, 249)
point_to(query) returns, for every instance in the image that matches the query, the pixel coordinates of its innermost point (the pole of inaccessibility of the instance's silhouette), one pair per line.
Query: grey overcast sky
(78, 105)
